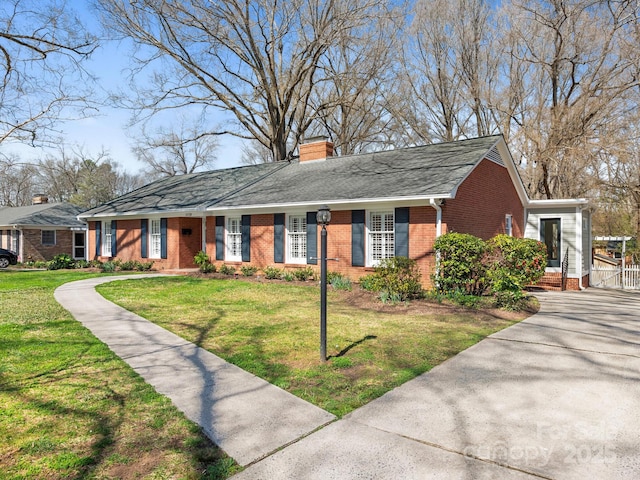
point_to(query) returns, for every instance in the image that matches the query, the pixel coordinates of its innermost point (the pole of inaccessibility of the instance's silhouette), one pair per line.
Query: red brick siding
(33, 250)
(553, 281)
(481, 203)
(262, 240)
(189, 244)
(422, 236)
(128, 237)
(180, 248)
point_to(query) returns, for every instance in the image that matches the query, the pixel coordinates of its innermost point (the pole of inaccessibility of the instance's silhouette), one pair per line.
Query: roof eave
(422, 199)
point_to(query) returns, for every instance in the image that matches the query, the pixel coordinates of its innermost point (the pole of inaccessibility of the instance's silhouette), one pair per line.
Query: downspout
(436, 204)
(580, 244)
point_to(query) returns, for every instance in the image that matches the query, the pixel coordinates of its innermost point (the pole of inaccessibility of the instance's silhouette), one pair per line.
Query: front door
(79, 245)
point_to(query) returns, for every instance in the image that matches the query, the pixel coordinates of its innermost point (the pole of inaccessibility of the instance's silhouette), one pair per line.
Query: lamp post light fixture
(323, 217)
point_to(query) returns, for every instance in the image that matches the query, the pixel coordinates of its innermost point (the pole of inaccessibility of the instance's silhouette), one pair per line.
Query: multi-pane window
(155, 242)
(297, 239)
(234, 240)
(48, 237)
(106, 239)
(381, 236)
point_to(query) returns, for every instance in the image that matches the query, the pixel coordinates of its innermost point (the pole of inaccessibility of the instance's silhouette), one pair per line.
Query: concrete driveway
(556, 396)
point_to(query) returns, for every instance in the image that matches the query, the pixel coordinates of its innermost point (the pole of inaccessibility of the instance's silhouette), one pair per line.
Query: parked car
(7, 257)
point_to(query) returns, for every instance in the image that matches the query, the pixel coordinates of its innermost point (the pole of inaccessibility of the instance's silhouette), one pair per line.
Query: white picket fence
(615, 277)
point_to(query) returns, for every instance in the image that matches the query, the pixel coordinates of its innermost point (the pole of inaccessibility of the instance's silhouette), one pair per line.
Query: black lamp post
(323, 218)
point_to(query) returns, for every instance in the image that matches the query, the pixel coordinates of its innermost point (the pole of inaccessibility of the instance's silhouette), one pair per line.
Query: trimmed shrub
(461, 265)
(144, 266)
(515, 263)
(61, 261)
(204, 262)
(248, 270)
(396, 279)
(129, 265)
(303, 274)
(272, 273)
(227, 269)
(109, 266)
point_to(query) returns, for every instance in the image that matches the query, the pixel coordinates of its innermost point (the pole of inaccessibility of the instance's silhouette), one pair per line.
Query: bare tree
(255, 59)
(17, 182)
(450, 67)
(573, 77)
(350, 98)
(41, 50)
(171, 151)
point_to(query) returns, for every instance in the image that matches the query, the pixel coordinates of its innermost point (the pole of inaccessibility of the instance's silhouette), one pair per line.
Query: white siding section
(568, 237)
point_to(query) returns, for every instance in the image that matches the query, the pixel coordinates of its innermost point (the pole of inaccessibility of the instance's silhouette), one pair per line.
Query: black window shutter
(278, 238)
(401, 219)
(312, 238)
(163, 238)
(246, 237)
(98, 238)
(219, 238)
(114, 240)
(144, 239)
(357, 238)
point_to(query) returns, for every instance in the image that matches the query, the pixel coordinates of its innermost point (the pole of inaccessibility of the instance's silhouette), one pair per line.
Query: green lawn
(69, 408)
(272, 330)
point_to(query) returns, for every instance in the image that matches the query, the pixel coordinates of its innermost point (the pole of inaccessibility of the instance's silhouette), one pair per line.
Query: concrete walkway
(244, 415)
(556, 396)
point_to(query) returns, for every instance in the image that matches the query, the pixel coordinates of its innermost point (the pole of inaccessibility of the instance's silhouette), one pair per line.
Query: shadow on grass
(346, 349)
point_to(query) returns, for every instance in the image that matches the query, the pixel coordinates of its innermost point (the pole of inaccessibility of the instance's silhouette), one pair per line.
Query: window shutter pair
(114, 240)
(278, 238)
(245, 235)
(401, 220)
(144, 238)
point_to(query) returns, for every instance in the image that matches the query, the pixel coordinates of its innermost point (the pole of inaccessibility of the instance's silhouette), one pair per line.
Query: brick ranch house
(384, 204)
(40, 231)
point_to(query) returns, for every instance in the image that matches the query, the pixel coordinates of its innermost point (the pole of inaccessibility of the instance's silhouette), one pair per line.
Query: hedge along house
(384, 204)
(40, 231)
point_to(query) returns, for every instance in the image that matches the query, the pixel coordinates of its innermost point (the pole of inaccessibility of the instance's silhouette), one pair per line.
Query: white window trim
(554, 217)
(289, 235)
(230, 237)
(106, 238)
(155, 239)
(508, 224)
(48, 244)
(371, 262)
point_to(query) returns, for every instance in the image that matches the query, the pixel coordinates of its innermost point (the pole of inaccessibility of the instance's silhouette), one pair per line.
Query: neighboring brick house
(43, 230)
(384, 204)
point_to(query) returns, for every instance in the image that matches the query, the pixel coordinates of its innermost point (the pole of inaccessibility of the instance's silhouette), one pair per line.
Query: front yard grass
(69, 408)
(272, 330)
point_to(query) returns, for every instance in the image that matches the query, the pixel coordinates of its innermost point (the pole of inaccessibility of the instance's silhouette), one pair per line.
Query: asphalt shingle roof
(44, 215)
(185, 192)
(432, 171)
(427, 171)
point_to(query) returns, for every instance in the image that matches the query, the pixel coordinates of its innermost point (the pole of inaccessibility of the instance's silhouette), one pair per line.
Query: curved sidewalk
(244, 415)
(556, 396)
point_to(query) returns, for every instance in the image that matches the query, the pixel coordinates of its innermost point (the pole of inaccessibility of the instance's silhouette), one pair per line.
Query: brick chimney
(316, 148)
(39, 199)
